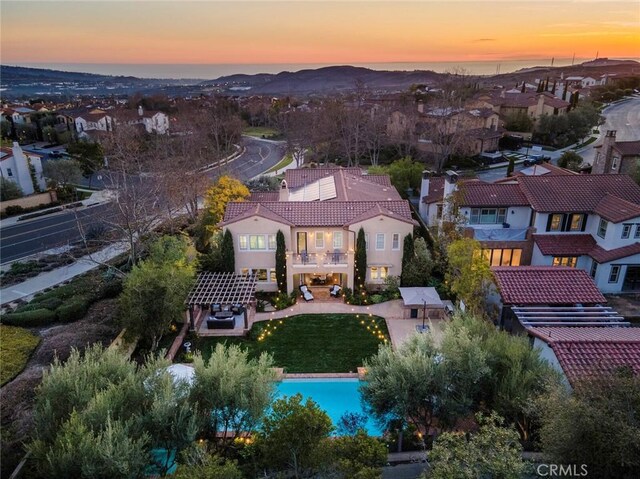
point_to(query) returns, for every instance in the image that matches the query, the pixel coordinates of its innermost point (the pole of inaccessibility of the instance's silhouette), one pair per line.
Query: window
(9, 172)
(319, 240)
(242, 242)
(565, 261)
(379, 241)
(272, 242)
(626, 230)
(257, 242)
(272, 275)
(555, 223)
(261, 274)
(594, 268)
(395, 241)
(379, 272)
(244, 271)
(576, 223)
(366, 241)
(502, 257)
(486, 216)
(439, 209)
(636, 235)
(337, 240)
(614, 274)
(602, 228)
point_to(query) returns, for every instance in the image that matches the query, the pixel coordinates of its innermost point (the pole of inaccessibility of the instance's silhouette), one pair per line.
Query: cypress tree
(511, 166)
(523, 87)
(553, 89)
(281, 262)
(408, 252)
(360, 263)
(227, 253)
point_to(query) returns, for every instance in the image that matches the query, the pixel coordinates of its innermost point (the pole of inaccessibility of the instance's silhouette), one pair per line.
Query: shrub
(22, 268)
(73, 310)
(38, 317)
(284, 300)
(14, 210)
(46, 303)
(111, 289)
(377, 298)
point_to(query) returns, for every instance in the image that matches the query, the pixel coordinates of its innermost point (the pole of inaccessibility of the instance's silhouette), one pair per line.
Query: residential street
(23, 239)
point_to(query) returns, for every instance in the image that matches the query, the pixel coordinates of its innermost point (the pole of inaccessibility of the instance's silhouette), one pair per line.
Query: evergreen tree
(511, 167)
(407, 253)
(227, 253)
(281, 262)
(524, 87)
(360, 261)
(553, 89)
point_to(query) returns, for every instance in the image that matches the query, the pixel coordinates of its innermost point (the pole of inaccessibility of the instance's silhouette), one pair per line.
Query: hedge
(73, 310)
(38, 317)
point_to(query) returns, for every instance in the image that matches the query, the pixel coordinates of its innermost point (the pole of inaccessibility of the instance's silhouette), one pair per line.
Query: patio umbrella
(182, 372)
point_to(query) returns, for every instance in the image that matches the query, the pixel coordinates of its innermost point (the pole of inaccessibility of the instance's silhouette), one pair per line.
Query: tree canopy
(468, 273)
(223, 191)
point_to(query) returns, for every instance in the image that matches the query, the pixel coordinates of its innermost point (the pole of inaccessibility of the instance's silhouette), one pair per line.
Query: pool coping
(280, 375)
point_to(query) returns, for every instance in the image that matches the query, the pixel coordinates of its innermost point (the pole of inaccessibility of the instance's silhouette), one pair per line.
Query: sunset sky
(312, 32)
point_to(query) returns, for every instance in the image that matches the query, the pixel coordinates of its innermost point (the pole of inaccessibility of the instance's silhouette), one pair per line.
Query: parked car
(535, 160)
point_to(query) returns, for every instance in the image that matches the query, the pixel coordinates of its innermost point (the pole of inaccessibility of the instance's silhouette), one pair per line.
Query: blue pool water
(335, 396)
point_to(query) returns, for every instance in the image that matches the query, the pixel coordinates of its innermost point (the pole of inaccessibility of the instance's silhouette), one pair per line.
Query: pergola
(221, 288)
(536, 316)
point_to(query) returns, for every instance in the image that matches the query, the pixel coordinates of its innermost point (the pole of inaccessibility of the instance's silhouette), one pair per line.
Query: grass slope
(311, 343)
(16, 346)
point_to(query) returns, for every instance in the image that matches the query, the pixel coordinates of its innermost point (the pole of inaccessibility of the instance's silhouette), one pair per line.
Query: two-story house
(617, 156)
(320, 212)
(23, 168)
(591, 222)
(152, 121)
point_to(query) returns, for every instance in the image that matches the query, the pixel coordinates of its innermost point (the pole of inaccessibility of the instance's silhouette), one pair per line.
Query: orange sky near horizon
(313, 32)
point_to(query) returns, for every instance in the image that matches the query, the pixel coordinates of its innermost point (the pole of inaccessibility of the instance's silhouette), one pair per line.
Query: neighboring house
(584, 82)
(94, 120)
(617, 156)
(15, 166)
(541, 287)
(532, 104)
(584, 352)
(151, 121)
(21, 115)
(320, 211)
(591, 222)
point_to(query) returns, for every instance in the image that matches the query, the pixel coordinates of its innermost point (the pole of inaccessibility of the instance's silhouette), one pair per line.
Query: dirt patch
(628, 305)
(16, 397)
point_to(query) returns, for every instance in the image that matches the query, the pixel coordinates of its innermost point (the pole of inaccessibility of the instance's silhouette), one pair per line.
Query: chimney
(603, 160)
(450, 182)
(421, 108)
(23, 173)
(424, 185)
(284, 192)
(140, 111)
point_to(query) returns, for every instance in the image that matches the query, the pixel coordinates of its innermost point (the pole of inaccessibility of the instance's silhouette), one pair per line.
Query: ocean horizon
(213, 71)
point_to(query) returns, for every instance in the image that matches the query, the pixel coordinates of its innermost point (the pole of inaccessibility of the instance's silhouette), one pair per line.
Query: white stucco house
(591, 222)
(15, 166)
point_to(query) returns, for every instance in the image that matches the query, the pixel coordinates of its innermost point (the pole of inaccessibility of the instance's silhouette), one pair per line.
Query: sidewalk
(46, 280)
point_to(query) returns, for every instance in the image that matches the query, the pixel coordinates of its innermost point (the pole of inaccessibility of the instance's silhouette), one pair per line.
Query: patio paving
(400, 330)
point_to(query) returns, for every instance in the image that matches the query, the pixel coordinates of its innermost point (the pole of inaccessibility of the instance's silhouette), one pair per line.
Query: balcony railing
(305, 259)
(335, 258)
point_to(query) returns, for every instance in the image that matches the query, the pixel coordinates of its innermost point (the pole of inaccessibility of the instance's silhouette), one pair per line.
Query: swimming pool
(335, 396)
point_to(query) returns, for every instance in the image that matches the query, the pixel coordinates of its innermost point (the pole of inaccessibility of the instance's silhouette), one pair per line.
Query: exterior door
(632, 279)
(302, 242)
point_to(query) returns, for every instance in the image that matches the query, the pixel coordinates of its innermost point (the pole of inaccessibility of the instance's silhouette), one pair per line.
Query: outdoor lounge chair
(335, 290)
(306, 294)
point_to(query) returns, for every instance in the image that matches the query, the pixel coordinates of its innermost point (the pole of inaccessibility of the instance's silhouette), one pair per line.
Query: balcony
(304, 259)
(499, 234)
(336, 258)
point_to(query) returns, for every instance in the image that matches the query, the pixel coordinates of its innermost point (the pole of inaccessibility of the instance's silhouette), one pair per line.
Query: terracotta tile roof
(484, 133)
(628, 148)
(615, 209)
(528, 285)
(351, 187)
(565, 244)
(584, 352)
(581, 244)
(318, 213)
(492, 194)
(297, 177)
(602, 255)
(257, 196)
(576, 193)
(436, 191)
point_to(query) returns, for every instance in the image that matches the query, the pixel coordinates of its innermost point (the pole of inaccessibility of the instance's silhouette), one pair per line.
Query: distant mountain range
(26, 82)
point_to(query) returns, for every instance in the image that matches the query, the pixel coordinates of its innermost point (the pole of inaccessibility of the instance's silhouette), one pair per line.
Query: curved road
(624, 117)
(33, 236)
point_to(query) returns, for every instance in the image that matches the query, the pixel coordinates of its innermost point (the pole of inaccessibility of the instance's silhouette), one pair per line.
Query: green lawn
(283, 162)
(260, 131)
(16, 345)
(311, 343)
